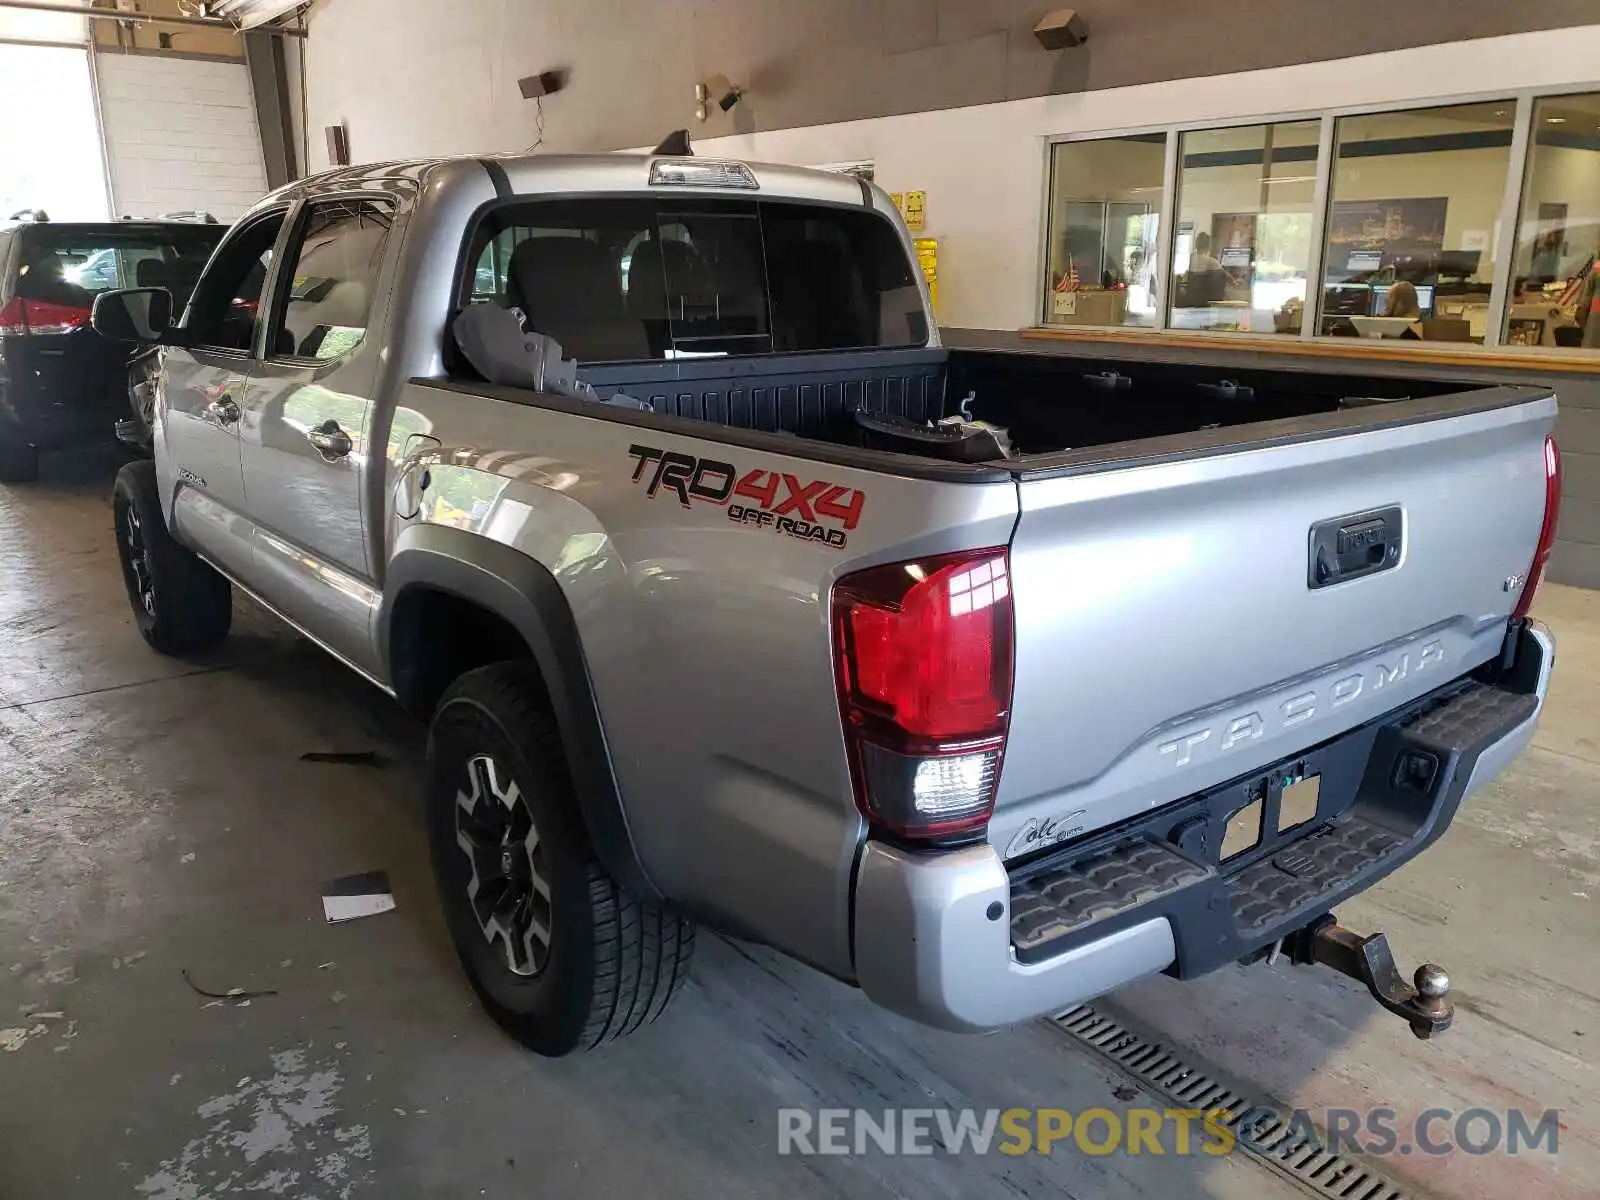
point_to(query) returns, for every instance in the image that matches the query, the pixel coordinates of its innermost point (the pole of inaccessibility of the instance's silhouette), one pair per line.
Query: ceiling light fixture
(250, 14)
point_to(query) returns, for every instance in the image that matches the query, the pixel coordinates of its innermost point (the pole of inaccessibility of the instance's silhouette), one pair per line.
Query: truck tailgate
(1172, 628)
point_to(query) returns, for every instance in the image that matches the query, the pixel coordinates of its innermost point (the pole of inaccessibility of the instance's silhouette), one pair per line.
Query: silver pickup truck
(986, 682)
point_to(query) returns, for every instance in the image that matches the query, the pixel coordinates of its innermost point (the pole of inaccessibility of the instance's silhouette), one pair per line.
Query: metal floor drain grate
(1166, 1071)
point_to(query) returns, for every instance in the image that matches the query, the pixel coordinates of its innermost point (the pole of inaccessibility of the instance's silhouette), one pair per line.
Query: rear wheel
(179, 603)
(561, 956)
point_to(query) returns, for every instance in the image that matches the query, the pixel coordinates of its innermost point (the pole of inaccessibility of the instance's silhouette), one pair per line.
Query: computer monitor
(1347, 300)
(1460, 264)
(1380, 298)
(1364, 260)
(1236, 256)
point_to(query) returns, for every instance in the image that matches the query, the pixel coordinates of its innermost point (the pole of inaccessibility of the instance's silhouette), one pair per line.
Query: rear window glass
(72, 267)
(640, 278)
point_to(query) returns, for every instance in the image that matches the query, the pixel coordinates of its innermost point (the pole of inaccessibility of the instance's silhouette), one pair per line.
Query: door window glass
(328, 290)
(226, 310)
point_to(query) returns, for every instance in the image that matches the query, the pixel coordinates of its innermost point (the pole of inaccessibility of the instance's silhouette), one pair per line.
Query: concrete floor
(156, 819)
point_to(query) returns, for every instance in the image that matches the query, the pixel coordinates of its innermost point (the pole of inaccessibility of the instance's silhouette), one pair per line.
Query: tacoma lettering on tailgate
(1246, 727)
(813, 511)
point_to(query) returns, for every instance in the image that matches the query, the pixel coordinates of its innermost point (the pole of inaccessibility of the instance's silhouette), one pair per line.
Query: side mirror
(134, 315)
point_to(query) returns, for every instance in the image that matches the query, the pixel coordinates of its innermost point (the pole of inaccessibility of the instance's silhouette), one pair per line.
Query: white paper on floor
(356, 896)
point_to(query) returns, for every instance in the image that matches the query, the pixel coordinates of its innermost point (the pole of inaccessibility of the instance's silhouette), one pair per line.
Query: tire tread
(194, 603)
(642, 951)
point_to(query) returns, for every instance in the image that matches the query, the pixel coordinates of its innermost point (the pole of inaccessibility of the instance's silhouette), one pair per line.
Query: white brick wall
(180, 134)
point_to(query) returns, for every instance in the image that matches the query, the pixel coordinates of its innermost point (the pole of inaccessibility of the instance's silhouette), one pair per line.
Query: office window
(1555, 297)
(1105, 212)
(1242, 244)
(1415, 202)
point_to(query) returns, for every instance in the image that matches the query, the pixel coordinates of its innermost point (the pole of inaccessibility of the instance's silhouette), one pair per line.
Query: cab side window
(226, 310)
(327, 293)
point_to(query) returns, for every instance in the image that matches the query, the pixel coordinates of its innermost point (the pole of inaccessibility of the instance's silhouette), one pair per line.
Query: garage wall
(180, 134)
(415, 77)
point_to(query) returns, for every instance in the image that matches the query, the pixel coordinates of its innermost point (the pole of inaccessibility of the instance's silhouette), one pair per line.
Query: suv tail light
(22, 317)
(1547, 532)
(923, 651)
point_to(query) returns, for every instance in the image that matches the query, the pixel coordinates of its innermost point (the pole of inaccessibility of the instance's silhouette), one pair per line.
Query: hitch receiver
(1426, 1007)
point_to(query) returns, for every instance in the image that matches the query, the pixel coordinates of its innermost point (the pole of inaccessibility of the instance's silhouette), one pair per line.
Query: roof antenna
(677, 144)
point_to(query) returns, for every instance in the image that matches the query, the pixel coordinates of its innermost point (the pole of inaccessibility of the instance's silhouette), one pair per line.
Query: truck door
(205, 382)
(303, 433)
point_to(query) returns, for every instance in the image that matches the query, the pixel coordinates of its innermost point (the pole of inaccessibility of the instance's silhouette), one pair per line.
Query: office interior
(1399, 217)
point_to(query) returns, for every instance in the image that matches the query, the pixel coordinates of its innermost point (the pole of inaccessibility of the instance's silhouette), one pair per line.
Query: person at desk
(1204, 283)
(1403, 302)
(1202, 260)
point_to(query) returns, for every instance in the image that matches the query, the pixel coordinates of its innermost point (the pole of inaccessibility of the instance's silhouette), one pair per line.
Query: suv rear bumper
(958, 941)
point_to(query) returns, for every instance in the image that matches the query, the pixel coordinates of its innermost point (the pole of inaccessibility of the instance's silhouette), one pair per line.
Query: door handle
(332, 442)
(223, 410)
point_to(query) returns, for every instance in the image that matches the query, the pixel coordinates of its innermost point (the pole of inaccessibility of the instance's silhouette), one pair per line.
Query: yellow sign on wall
(915, 211)
(913, 207)
(928, 259)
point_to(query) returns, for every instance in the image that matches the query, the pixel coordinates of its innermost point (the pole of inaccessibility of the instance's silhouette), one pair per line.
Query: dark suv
(61, 384)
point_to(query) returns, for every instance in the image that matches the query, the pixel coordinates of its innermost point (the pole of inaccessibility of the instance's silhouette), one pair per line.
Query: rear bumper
(958, 941)
(56, 419)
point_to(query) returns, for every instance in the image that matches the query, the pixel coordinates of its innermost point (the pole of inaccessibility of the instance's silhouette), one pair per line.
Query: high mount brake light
(923, 657)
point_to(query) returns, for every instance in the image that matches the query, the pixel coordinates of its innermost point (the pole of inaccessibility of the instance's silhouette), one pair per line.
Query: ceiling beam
(138, 18)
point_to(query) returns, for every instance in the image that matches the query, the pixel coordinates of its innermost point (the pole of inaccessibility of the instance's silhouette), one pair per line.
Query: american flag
(1069, 281)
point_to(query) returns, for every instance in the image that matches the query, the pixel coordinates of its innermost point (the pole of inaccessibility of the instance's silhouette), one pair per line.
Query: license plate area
(1298, 802)
(1256, 816)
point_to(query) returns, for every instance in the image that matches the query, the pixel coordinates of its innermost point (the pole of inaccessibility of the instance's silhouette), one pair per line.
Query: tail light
(1547, 532)
(923, 654)
(21, 317)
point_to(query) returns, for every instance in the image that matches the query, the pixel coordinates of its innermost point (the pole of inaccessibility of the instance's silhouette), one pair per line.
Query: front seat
(151, 272)
(667, 283)
(570, 289)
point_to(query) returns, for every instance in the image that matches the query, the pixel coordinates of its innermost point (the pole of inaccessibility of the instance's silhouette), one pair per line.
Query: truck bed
(1062, 414)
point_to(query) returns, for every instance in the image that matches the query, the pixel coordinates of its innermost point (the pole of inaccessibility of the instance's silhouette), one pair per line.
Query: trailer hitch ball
(1433, 983)
(1433, 992)
(1426, 1007)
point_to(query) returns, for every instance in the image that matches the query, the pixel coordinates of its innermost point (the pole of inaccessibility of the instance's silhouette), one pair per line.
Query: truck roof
(533, 174)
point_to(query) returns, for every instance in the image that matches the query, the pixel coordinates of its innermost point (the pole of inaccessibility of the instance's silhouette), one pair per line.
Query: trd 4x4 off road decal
(813, 511)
